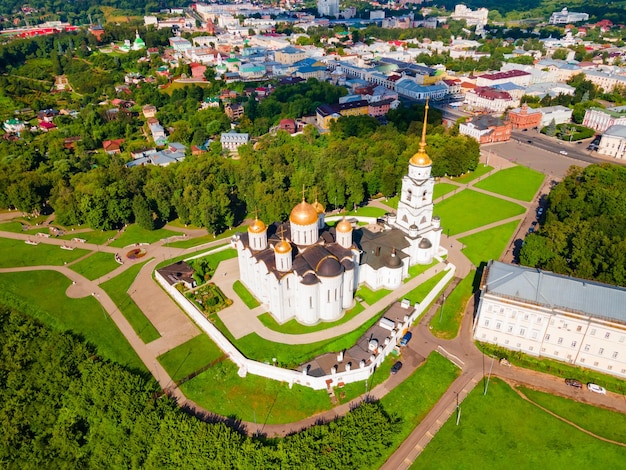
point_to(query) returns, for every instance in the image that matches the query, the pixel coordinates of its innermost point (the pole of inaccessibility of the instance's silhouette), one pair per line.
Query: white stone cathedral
(306, 270)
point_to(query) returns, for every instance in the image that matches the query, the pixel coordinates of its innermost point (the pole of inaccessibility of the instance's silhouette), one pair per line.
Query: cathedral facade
(305, 270)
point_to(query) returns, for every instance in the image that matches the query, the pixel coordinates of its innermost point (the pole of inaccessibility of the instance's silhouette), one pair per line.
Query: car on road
(534, 223)
(529, 141)
(573, 383)
(563, 152)
(596, 388)
(395, 368)
(540, 211)
(406, 338)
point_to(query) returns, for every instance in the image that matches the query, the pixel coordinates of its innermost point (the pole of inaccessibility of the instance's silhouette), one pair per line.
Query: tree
(551, 128)
(143, 213)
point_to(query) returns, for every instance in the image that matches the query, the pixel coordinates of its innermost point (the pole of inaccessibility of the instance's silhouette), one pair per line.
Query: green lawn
(253, 398)
(245, 295)
(117, 289)
(190, 356)
(446, 322)
(517, 182)
(604, 423)
(16, 253)
(418, 294)
(488, 244)
(472, 175)
(414, 398)
(366, 212)
(135, 234)
(502, 431)
(469, 209)
(392, 202)
(45, 290)
(418, 269)
(443, 188)
(292, 327)
(369, 296)
(16, 227)
(254, 347)
(215, 259)
(96, 265)
(191, 242)
(99, 237)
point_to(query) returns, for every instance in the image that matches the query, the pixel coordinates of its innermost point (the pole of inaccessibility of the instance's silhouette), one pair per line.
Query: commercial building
(613, 142)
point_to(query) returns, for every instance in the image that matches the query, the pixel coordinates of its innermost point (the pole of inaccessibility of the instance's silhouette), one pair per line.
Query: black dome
(329, 267)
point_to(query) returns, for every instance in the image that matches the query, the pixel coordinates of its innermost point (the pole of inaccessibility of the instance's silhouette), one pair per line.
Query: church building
(306, 270)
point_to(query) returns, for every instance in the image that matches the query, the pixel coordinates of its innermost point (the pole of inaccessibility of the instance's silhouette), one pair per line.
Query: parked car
(596, 388)
(531, 229)
(395, 368)
(573, 383)
(563, 152)
(540, 211)
(406, 338)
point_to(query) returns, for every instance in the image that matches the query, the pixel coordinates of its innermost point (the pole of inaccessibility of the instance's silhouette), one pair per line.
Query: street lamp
(489, 376)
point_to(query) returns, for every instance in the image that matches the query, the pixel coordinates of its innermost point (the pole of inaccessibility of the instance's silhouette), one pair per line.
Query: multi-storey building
(613, 142)
(600, 119)
(555, 316)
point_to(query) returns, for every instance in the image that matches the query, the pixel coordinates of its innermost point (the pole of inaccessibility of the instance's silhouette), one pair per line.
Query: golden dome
(257, 226)
(303, 214)
(344, 226)
(282, 246)
(318, 207)
(420, 159)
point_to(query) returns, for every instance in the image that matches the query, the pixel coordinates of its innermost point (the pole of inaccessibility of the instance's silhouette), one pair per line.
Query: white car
(563, 152)
(596, 388)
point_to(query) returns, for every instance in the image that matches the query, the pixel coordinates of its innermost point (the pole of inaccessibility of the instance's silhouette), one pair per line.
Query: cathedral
(306, 270)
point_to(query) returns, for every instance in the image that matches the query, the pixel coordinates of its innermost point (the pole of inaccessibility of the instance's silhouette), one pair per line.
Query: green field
(45, 290)
(469, 209)
(293, 327)
(502, 431)
(17, 227)
(418, 294)
(488, 244)
(517, 182)
(98, 237)
(16, 253)
(442, 189)
(472, 175)
(369, 296)
(96, 265)
(245, 295)
(190, 356)
(414, 398)
(446, 323)
(117, 289)
(135, 234)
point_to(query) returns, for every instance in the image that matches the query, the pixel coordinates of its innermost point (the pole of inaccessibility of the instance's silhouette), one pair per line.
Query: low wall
(248, 366)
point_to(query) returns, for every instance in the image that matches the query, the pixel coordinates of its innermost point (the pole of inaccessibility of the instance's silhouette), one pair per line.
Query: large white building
(305, 270)
(476, 17)
(328, 8)
(600, 119)
(555, 316)
(564, 17)
(613, 142)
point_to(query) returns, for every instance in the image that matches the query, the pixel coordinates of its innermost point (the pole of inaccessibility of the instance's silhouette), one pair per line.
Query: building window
(310, 302)
(530, 348)
(538, 319)
(484, 336)
(610, 367)
(522, 331)
(601, 351)
(509, 329)
(556, 353)
(506, 341)
(526, 317)
(495, 339)
(573, 344)
(552, 322)
(595, 363)
(607, 335)
(535, 334)
(328, 297)
(560, 341)
(543, 349)
(498, 325)
(621, 339)
(587, 347)
(547, 338)
(593, 332)
(519, 345)
(486, 321)
(582, 359)
(615, 355)
(579, 328)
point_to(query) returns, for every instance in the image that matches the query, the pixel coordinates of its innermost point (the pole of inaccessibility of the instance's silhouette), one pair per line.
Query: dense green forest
(583, 232)
(64, 407)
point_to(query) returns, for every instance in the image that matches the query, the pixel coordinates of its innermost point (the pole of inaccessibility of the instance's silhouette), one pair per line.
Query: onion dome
(393, 261)
(257, 226)
(344, 226)
(282, 247)
(328, 266)
(318, 207)
(303, 214)
(425, 243)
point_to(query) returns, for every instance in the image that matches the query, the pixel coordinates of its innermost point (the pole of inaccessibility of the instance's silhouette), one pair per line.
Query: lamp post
(489, 376)
(443, 304)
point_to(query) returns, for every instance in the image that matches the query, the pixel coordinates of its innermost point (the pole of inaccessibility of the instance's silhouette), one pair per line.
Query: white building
(613, 142)
(305, 270)
(515, 76)
(490, 99)
(555, 316)
(604, 80)
(560, 115)
(328, 8)
(233, 140)
(476, 17)
(601, 119)
(565, 17)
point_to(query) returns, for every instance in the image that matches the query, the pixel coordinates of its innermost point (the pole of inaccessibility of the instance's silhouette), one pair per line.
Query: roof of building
(505, 75)
(616, 131)
(491, 93)
(556, 291)
(486, 121)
